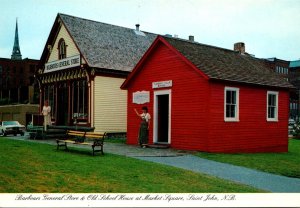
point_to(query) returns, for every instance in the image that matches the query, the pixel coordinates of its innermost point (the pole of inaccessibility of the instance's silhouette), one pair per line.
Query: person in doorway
(46, 113)
(144, 126)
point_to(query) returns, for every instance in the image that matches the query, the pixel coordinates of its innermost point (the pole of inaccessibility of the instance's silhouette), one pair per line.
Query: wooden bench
(93, 139)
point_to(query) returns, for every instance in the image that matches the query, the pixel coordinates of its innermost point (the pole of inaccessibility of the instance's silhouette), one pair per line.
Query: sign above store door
(62, 64)
(162, 84)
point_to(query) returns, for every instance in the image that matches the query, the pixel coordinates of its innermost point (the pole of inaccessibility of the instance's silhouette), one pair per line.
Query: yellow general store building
(82, 67)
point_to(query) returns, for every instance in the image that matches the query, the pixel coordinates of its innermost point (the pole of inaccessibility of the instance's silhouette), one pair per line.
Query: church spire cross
(16, 53)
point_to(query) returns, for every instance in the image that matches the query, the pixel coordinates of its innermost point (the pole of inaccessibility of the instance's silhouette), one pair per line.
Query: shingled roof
(104, 45)
(223, 64)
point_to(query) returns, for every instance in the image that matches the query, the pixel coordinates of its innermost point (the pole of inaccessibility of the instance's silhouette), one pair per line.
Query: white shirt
(46, 110)
(146, 116)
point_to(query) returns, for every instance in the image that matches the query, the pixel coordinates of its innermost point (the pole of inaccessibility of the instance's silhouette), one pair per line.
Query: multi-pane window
(231, 104)
(272, 106)
(80, 101)
(62, 51)
(281, 70)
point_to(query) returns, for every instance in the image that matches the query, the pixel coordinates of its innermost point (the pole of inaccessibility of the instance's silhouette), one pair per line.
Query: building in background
(294, 78)
(279, 66)
(18, 88)
(17, 81)
(289, 70)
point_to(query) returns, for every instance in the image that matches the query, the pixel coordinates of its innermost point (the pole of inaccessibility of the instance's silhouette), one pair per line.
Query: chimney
(240, 47)
(191, 38)
(137, 27)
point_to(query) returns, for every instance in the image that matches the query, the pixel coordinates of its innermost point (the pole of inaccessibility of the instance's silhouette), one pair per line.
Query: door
(62, 104)
(162, 117)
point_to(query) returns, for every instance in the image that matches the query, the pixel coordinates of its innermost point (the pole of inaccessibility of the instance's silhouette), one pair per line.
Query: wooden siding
(71, 47)
(189, 94)
(253, 133)
(109, 104)
(197, 109)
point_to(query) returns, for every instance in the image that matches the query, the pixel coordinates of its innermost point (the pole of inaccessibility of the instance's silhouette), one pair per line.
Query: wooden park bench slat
(94, 139)
(97, 140)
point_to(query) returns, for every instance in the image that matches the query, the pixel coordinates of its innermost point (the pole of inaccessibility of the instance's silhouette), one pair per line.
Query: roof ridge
(105, 39)
(62, 14)
(225, 64)
(203, 44)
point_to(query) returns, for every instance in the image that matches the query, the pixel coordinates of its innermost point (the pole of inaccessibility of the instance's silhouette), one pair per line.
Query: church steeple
(16, 53)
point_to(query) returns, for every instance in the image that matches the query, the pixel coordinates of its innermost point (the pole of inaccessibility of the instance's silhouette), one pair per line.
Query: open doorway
(162, 116)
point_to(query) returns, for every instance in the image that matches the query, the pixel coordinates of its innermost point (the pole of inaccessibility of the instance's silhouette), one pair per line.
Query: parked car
(11, 127)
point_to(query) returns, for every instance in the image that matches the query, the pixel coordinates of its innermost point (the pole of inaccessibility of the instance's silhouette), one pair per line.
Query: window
(272, 106)
(80, 101)
(62, 50)
(231, 104)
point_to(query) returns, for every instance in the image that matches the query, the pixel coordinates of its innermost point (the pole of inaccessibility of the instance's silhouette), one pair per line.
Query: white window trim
(276, 112)
(236, 118)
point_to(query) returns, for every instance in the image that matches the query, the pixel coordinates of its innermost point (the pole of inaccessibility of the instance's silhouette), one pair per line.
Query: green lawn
(287, 164)
(38, 168)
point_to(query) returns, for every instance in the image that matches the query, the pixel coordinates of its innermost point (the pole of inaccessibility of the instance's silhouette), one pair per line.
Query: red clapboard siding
(197, 109)
(188, 109)
(253, 133)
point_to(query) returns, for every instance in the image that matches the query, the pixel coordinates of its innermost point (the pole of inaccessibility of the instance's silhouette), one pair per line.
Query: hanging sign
(162, 84)
(62, 64)
(141, 97)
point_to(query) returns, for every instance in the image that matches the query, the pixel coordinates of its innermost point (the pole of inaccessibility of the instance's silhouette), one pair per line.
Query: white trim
(276, 109)
(155, 128)
(237, 110)
(162, 84)
(92, 111)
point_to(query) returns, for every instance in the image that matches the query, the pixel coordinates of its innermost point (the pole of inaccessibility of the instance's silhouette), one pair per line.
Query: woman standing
(144, 126)
(46, 113)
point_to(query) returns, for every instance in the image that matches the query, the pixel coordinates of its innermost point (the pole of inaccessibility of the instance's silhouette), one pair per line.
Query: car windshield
(7, 123)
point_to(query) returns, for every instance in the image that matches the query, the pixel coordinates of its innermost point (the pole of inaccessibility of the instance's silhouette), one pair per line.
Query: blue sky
(269, 28)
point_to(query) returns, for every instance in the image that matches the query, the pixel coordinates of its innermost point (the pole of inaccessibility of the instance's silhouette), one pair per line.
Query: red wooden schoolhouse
(207, 98)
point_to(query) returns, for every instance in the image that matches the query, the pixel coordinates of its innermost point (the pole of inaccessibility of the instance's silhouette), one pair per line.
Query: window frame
(60, 49)
(80, 108)
(275, 119)
(236, 118)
